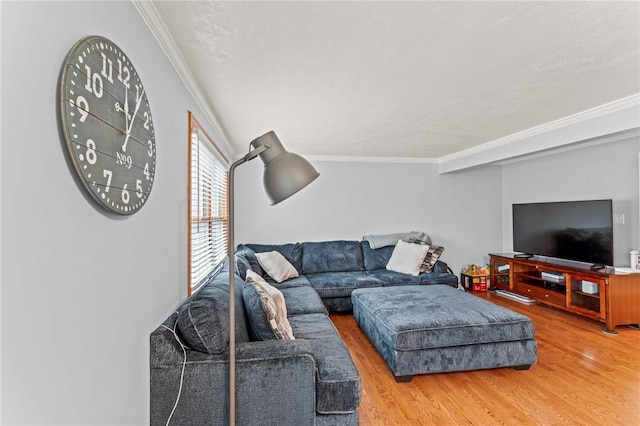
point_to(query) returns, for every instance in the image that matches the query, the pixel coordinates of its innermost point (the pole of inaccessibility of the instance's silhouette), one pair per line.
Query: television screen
(573, 230)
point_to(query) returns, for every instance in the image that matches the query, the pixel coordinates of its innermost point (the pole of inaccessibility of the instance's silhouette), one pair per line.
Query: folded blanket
(377, 241)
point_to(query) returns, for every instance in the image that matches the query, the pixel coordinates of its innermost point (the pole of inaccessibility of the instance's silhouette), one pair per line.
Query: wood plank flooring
(583, 377)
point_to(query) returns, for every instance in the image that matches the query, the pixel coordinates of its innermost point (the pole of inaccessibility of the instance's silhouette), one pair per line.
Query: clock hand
(126, 109)
(135, 112)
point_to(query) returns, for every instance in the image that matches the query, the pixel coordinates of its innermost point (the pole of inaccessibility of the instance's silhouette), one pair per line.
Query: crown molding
(154, 22)
(344, 159)
(550, 126)
(611, 118)
(614, 137)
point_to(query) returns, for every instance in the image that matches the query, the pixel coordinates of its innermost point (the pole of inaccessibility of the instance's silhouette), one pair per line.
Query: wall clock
(107, 125)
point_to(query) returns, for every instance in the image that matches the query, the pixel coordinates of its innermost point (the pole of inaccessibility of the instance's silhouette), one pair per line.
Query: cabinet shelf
(581, 293)
(534, 278)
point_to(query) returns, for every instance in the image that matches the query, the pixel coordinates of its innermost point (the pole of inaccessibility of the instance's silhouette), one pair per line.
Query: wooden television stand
(603, 295)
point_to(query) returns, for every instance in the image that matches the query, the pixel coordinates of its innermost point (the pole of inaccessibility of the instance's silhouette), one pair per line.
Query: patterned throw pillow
(266, 309)
(431, 258)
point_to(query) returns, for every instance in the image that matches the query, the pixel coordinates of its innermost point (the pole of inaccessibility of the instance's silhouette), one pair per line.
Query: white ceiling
(401, 80)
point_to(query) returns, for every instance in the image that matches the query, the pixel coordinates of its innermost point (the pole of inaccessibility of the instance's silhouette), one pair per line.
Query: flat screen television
(572, 230)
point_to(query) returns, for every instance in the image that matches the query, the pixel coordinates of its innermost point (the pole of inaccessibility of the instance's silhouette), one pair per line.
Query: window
(208, 221)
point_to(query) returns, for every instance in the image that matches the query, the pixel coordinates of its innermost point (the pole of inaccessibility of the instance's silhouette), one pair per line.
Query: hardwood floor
(583, 377)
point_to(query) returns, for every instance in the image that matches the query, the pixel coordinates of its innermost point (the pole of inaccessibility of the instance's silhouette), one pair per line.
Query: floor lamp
(285, 174)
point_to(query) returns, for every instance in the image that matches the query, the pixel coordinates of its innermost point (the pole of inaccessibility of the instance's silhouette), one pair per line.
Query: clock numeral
(108, 174)
(146, 171)
(147, 119)
(150, 150)
(83, 108)
(124, 70)
(107, 70)
(125, 194)
(138, 95)
(91, 155)
(94, 82)
(139, 188)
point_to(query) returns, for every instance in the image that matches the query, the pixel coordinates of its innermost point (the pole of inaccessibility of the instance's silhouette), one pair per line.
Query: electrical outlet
(618, 218)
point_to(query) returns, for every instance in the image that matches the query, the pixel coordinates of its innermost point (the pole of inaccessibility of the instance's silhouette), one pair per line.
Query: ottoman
(436, 328)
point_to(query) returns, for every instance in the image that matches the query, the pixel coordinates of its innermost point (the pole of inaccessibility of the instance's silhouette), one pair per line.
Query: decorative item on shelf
(107, 125)
(475, 278)
(504, 268)
(589, 287)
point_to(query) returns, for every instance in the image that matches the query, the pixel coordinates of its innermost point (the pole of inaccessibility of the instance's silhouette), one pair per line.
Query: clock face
(107, 125)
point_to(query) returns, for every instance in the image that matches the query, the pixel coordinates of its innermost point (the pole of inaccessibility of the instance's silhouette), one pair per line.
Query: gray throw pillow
(204, 325)
(250, 256)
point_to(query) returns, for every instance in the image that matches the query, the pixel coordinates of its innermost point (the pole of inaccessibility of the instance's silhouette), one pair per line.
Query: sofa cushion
(389, 278)
(203, 319)
(338, 387)
(203, 324)
(266, 309)
(331, 256)
(299, 281)
(341, 284)
(407, 258)
(245, 255)
(375, 258)
(241, 266)
(303, 300)
(291, 251)
(276, 266)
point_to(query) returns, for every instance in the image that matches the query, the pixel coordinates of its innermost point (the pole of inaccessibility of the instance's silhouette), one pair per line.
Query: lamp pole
(232, 285)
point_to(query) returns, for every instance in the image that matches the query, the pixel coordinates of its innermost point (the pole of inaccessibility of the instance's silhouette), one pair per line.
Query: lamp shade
(285, 173)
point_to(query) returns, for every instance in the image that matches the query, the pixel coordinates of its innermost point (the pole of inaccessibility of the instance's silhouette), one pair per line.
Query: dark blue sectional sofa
(335, 268)
(311, 380)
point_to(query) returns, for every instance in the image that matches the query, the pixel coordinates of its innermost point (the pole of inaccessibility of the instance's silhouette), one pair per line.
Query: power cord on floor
(184, 365)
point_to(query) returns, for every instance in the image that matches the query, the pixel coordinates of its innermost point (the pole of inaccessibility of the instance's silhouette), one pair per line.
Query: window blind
(208, 221)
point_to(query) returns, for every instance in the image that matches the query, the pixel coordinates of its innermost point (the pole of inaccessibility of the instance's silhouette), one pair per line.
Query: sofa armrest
(441, 267)
(275, 384)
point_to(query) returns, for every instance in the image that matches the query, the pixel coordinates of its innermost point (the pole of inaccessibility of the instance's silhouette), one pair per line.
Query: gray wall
(81, 291)
(469, 212)
(596, 171)
(461, 211)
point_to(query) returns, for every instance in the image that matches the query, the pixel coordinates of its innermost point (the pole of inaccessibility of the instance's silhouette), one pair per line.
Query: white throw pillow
(275, 264)
(273, 307)
(407, 257)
